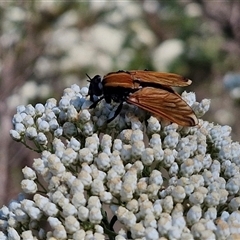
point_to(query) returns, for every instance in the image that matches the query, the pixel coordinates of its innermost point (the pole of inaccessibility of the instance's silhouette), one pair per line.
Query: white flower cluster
(148, 179)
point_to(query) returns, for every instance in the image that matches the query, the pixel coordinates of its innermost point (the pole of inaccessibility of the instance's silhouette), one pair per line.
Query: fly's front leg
(119, 108)
(96, 102)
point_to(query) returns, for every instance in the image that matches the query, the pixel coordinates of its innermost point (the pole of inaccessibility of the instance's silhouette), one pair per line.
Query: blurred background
(47, 46)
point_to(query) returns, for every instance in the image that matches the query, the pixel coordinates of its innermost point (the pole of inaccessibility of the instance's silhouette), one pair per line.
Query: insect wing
(167, 79)
(168, 105)
(118, 79)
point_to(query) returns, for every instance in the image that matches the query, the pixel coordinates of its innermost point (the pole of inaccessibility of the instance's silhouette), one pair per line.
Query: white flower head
(153, 178)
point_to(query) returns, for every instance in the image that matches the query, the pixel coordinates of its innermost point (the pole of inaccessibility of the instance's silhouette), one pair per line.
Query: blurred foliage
(48, 45)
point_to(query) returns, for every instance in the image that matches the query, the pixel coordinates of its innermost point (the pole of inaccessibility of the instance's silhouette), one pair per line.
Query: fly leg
(96, 102)
(119, 108)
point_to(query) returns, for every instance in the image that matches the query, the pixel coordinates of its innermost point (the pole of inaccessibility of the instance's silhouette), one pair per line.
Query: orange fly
(148, 90)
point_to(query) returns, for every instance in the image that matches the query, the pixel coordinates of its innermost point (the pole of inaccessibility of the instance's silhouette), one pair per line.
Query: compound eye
(100, 86)
(97, 79)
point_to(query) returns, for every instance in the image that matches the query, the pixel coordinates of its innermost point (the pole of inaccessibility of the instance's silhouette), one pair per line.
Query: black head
(95, 87)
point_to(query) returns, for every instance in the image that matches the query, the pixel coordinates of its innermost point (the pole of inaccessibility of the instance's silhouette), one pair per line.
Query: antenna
(89, 78)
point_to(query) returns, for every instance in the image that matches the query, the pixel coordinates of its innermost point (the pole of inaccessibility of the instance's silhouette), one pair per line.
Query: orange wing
(167, 79)
(126, 79)
(118, 79)
(164, 104)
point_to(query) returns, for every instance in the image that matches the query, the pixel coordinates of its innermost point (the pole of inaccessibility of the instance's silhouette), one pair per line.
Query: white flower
(212, 199)
(164, 224)
(126, 217)
(58, 132)
(151, 233)
(39, 165)
(169, 157)
(175, 233)
(83, 213)
(190, 97)
(150, 221)
(69, 156)
(97, 187)
(31, 209)
(43, 125)
(232, 186)
(13, 234)
(55, 165)
(69, 129)
(187, 167)
(173, 170)
(157, 208)
(106, 197)
(196, 198)
(50, 209)
(95, 215)
(106, 141)
(17, 118)
(167, 204)
(28, 121)
(20, 108)
(79, 234)
(137, 149)
(115, 185)
(40, 200)
(28, 186)
(85, 178)
(51, 103)
(126, 152)
(71, 224)
(72, 114)
(84, 91)
(88, 129)
(21, 216)
(194, 214)
(84, 116)
(41, 138)
(147, 156)
(20, 128)
(76, 186)
(183, 154)
(178, 194)
(153, 125)
(103, 161)
(117, 145)
(40, 109)
(85, 155)
(28, 235)
(201, 108)
(223, 230)
(94, 201)
(92, 143)
(145, 206)
(156, 177)
(211, 213)
(179, 222)
(64, 103)
(29, 173)
(31, 132)
(171, 140)
(125, 135)
(15, 135)
(78, 199)
(136, 136)
(53, 125)
(30, 110)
